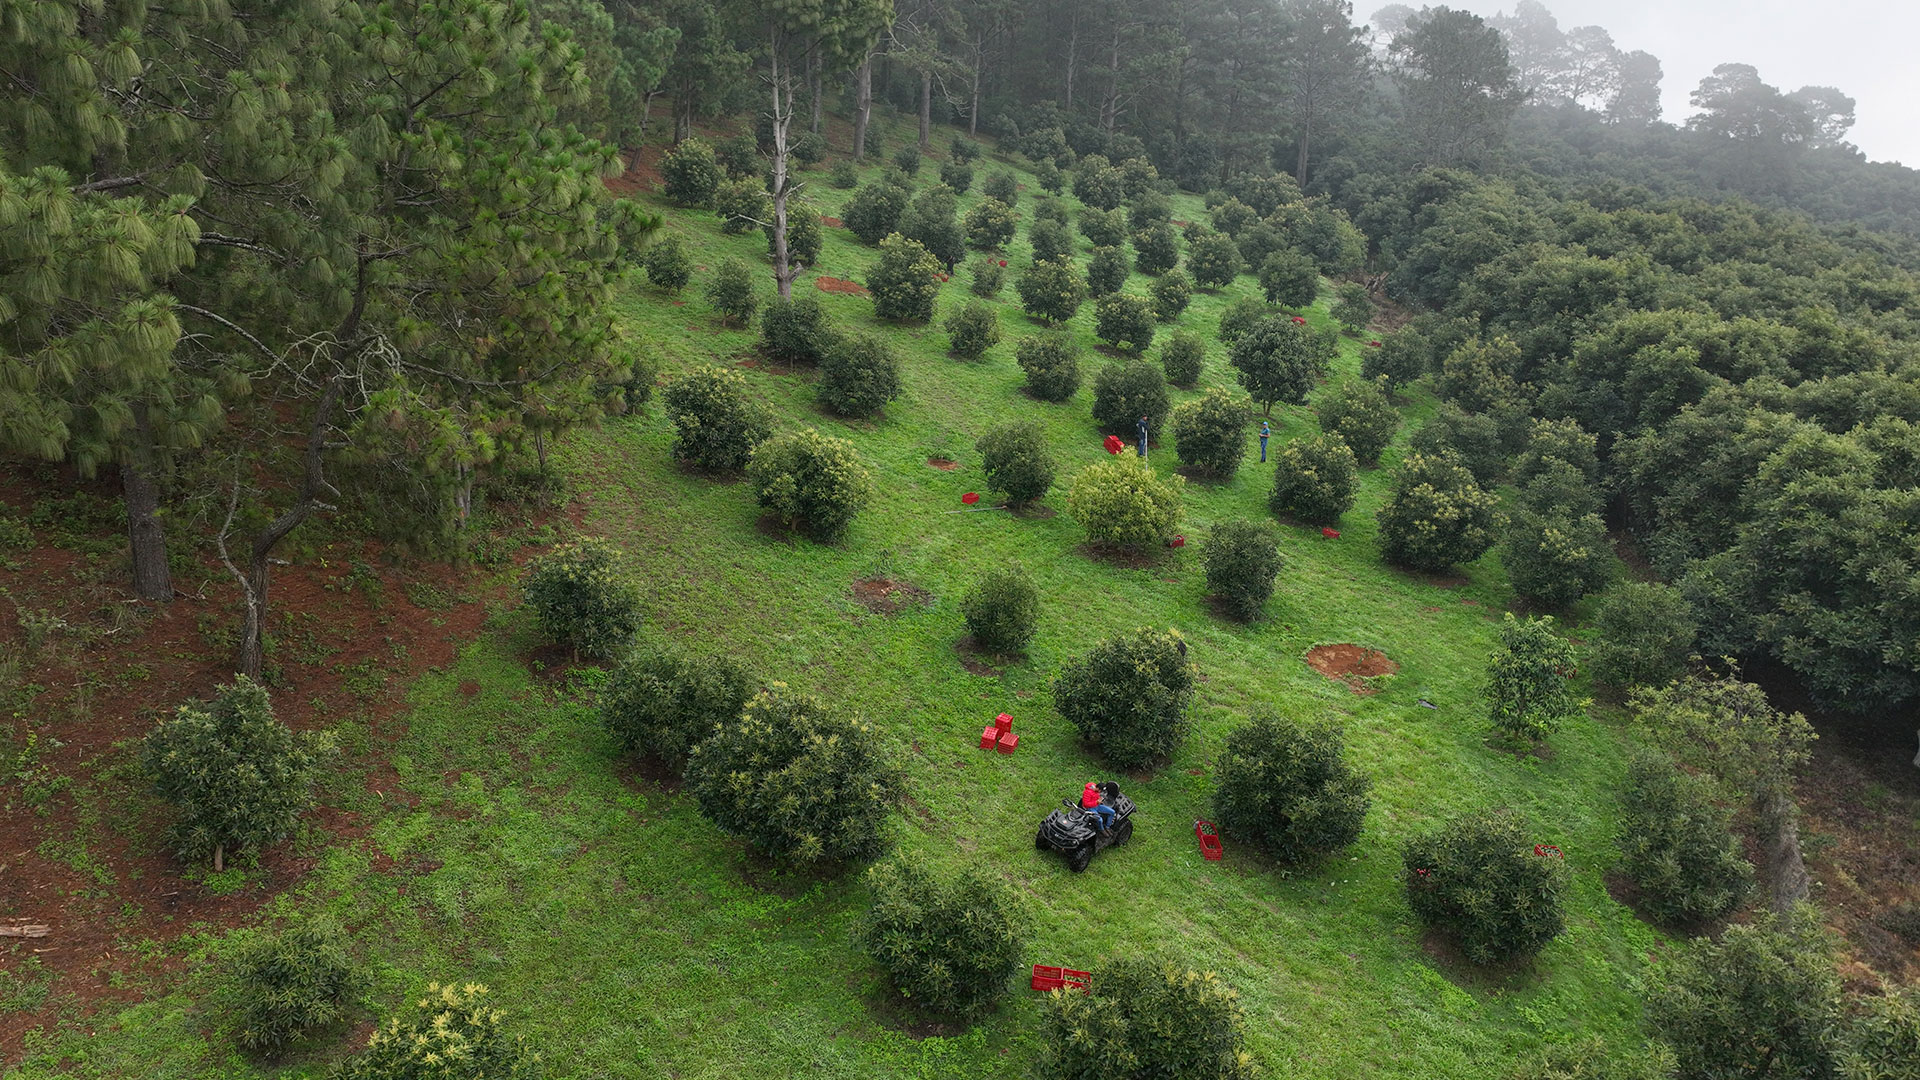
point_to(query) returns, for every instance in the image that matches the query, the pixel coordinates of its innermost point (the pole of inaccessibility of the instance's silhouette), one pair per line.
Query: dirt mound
(839, 285)
(1351, 664)
(832, 222)
(943, 464)
(885, 596)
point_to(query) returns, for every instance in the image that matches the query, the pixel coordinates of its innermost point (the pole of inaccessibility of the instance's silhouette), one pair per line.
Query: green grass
(629, 938)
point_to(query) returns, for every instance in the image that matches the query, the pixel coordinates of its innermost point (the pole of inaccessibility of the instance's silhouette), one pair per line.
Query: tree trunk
(219, 858)
(862, 106)
(139, 484)
(784, 270)
(1780, 820)
(926, 109)
(260, 563)
(1300, 163)
(1073, 53)
(813, 88)
(973, 107)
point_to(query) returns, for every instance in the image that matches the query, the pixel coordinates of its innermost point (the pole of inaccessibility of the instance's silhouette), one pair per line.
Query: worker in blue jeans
(1090, 800)
(1265, 430)
(1143, 435)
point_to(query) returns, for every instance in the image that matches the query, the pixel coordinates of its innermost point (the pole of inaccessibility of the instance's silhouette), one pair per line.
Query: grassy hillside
(629, 938)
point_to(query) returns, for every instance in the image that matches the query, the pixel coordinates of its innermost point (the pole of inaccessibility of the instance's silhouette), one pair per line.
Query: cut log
(25, 931)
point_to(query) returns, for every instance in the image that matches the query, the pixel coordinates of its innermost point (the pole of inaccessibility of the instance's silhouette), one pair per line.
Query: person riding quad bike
(1102, 818)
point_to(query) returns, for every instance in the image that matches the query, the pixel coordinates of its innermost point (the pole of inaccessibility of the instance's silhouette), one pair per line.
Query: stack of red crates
(1000, 734)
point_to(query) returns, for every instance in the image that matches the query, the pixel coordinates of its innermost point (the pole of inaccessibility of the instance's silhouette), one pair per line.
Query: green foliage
(1155, 249)
(905, 282)
(1050, 242)
(1214, 260)
(451, 1034)
(805, 235)
(1279, 361)
(1129, 696)
(844, 175)
(743, 205)
(1103, 228)
(1182, 357)
(1241, 316)
(1000, 185)
(1170, 294)
(1479, 375)
(1052, 291)
(1469, 438)
(1052, 365)
(1243, 558)
(1676, 844)
(1147, 1018)
(581, 599)
(1290, 279)
(875, 210)
(930, 220)
(1729, 729)
(289, 984)
(1148, 210)
(1106, 270)
(1287, 787)
(957, 175)
(1053, 210)
(1477, 880)
(1017, 460)
(1098, 184)
(1761, 1001)
(951, 944)
(667, 263)
(1437, 516)
(1883, 1041)
(1126, 322)
(1313, 479)
(797, 331)
(988, 276)
(1401, 358)
(1352, 310)
(1591, 1059)
(731, 292)
(1527, 680)
(715, 425)
(1553, 443)
(1643, 633)
(1358, 411)
(740, 155)
(1210, 432)
(1126, 390)
(691, 174)
(809, 148)
(797, 780)
(811, 481)
(990, 225)
(907, 159)
(1120, 502)
(662, 702)
(1259, 243)
(1001, 609)
(972, 329)
(859, 375)
(1552, 556)
(236, 777)
(1051, 179)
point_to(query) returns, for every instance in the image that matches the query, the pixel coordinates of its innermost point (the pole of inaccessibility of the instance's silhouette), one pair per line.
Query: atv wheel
(1079, 857)
(1040, 840)
(1123, 832)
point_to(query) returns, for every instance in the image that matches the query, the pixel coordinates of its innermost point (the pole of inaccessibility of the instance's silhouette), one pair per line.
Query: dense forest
(282, 275)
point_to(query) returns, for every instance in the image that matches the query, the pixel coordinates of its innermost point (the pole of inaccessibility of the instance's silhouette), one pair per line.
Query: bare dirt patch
(974, 658)
(943, 464)
(885, 596)
(1351, 664)
(832, 222)
(1130, 558)
(839, 285)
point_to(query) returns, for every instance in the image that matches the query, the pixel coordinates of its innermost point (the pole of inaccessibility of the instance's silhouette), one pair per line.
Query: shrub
(1106, 270)
(731, 292)
(1290, 279)
(1148, 210)
(1124, 391)
(990, 224)
(450, 1035)
(796, 780)
(667, 263)
(1555, 447)
(1313, 479)
(1001, 186)
(1259, 243)
(988, 275)
(663, 703)
(1052, 364)
(905, 282)
(716, 426)
(843, 175)
(288, 984)
(1241, 316)
(874, 211)
(1278, 361)
(581, 599)
(1050, 177)
(1050, 210)
(972, 329)
(1401, 358)
(1050, 242)
(1643, 634)
(740, 156)
(1210, 432)
(1170, 294)
(1155, 249)
(1243, 558)
(1527, 680)
(1554, 557)
(1469, 438)
(1121, 502)
(1360, 414)
(1352, 309)
(1477, 880)
(742, 205)
(1103, 228)
(690, 173)
(907, 159)
(1761, 1001)
(1129, 696)
(1052, 291)
(236, 777)
(1882, 1042)
(1182, 357)
(809, 148)
(1287, 787)
(1437, 516)
(1017, 461)
(1126, 322)
(1214, 260)
(1001, 609)
(859, 375)
(804, 234)
(813, 482)
(929, 219)
(957, 175)
(1098, 184)
(1676, 844)
(951, 944)
(796, 331)
(1234, 217)
(1146, 1018)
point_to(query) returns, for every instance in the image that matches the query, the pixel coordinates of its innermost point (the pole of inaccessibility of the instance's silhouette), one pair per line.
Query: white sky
(1863, 47)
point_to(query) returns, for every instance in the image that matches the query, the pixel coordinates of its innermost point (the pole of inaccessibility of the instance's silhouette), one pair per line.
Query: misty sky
(1863, 47)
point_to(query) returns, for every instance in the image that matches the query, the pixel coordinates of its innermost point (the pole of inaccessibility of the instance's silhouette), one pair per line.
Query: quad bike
(1074, 831)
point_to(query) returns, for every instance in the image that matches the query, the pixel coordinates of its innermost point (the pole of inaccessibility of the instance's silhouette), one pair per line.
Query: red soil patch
(642, 173)
(839, 285)
(943, 464)
(885, 596)
(1351, 664)
(832, 222)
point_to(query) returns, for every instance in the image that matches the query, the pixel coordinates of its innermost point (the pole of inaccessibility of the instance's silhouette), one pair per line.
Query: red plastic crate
(1209, 840)
(1003, 722)
(1056, 978)
(988, 736)
(1008, 740)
